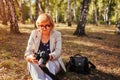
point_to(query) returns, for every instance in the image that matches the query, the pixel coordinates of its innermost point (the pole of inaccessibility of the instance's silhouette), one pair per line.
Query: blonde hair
(45, 17)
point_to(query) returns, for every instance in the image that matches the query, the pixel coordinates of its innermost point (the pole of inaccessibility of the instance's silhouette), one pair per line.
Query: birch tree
(2, 12)
(80, 30)
(13, 18)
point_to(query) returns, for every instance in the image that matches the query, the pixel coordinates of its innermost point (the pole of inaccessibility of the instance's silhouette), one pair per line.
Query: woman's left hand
(50, 57)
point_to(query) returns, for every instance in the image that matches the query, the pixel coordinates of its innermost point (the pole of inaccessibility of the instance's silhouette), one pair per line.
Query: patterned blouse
(44, 47)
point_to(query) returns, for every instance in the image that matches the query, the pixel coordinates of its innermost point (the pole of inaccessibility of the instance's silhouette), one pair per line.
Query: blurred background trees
(63, 11)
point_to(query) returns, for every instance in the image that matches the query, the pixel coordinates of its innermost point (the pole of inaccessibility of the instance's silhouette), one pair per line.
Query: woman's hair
(45, 17)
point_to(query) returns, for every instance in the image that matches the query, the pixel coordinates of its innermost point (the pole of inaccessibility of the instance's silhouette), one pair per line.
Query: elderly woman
(44, 38)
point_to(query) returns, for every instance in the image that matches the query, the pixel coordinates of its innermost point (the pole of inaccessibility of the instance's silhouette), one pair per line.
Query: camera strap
(45, 70)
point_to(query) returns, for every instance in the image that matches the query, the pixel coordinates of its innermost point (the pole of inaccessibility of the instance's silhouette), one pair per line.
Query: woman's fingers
(50, 57)
(31, 59)
(34, 60)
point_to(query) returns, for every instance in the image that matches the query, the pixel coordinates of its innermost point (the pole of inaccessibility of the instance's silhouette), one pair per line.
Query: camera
(42, 57)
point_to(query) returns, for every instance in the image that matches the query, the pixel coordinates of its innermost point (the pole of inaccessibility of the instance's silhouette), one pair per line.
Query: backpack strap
(76, 55)
(92, 66)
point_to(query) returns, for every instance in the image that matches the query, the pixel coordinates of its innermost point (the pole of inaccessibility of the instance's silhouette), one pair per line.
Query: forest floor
(101, 45)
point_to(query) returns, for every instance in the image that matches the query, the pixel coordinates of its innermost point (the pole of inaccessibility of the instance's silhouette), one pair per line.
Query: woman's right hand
(31, 58)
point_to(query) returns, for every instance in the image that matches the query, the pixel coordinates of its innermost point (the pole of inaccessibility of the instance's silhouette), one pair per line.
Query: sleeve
(30, 46)
(58, 44)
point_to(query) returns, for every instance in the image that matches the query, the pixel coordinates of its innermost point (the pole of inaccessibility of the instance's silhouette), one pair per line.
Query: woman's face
(45, 26)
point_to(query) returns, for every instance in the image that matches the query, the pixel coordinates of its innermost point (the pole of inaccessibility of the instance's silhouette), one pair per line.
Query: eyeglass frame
(47, 26)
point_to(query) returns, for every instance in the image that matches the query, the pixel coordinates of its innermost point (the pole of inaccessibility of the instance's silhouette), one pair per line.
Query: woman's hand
(50, 57)
(31, 59)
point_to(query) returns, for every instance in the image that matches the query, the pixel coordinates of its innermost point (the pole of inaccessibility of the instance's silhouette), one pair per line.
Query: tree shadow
(94, 75)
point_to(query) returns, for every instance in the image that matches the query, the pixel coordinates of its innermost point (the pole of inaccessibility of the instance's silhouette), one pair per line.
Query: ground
(101, 45)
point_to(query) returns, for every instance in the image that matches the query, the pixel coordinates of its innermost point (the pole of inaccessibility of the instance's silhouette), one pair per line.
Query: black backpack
(79, 64)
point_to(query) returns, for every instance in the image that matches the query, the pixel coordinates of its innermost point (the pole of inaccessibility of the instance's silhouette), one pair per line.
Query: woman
(44, 38)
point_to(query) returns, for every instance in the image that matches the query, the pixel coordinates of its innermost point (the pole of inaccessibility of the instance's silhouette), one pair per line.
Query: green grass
(101, 46)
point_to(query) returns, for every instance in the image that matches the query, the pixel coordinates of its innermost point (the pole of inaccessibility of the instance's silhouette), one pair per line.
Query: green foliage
(62, 7)
(26, 11)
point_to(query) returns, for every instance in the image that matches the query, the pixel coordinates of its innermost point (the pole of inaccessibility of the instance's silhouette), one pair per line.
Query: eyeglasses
(44, 26)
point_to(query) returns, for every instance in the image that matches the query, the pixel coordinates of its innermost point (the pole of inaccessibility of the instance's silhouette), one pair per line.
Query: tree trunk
(36, 11)
(106, 18)
(57, 12)
(47, 7)
(57, 15)
(80, 30)
(107, 13)
(38, 7)
(95, 13)
(74, 11)
(31, 16)
(3, 13)
(69, 18)
(13, 18)
(116, 11)
(20, 11)
(118, 27)
(42, 9)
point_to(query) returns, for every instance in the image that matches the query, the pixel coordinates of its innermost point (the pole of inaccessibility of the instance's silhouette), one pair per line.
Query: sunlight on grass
(4, 54)
(26, 28)
(83, 43)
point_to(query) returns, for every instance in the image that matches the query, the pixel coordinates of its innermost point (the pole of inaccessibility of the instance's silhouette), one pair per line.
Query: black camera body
(43, 56)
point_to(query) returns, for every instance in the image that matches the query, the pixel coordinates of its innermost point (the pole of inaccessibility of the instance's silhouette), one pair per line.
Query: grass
(101, 46)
